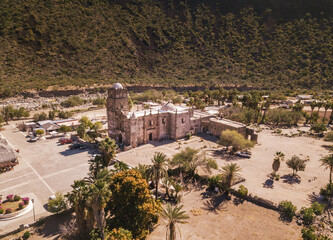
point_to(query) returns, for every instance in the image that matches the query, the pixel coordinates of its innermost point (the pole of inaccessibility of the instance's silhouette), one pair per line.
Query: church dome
(117, 86)
(169, 107)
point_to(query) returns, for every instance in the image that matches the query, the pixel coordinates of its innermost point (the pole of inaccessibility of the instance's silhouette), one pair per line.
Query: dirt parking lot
(45, 168)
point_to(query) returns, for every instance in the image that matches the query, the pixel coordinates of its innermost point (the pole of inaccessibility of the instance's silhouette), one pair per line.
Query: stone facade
(159, 123)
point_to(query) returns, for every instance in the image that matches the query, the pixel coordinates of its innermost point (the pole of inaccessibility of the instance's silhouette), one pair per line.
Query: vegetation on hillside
(267, 44)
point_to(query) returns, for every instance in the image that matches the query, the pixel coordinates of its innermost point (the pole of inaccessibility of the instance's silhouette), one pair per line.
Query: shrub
(319, 128)
(329, 137)
(25, 200)
(17, 198)
(99, 101)
(234, 139)
(307, 215)
(318, 208)
(26, 235)
(287, 209)
(1, 210)
(308, 234)
(21, 205)
(8, 210)
(10, 197)
(57, 204)
(214, 181)
(242, 191)
(327, 191)
(188, 136)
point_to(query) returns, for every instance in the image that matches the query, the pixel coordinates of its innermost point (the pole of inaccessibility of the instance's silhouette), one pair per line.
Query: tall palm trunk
(156, 187)
(99, 215)
(172, 229)
(81, 221)
(331, 168)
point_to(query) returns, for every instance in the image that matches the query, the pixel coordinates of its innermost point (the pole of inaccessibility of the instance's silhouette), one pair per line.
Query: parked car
(243, 154)
(93, 156)
(76, 146)
(66, 141)
(35, 139)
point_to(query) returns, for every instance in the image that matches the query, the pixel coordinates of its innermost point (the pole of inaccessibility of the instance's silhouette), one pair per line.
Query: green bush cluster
(329, 137)
(287, 209)
(242, 191)
(73, 101)
(214, 181)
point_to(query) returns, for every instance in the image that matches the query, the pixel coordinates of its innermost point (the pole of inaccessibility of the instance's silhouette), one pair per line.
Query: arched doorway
(120, 138)
(150, 136)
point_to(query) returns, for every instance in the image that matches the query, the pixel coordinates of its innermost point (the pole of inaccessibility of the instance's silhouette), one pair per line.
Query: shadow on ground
(269, 183)
(291, 179)
(215, 204)
(70, 152)
(51, 228)
(313, 197)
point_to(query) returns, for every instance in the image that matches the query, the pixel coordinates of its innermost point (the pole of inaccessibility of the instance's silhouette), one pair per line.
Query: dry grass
(13, 205)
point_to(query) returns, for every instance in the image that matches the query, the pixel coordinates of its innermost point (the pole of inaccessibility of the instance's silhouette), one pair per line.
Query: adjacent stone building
(160, 122)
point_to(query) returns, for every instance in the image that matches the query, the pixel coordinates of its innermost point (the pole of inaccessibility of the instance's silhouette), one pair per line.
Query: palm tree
(319, 105)
(158, 169)
(278, 157)
(313, 106)
(78, 198)
(229, 175)
(173, 216)
(327, 106)
(331, 116)
(167, 184)
(190, 159)
(99, 195)
(108, 148)
(327, 161)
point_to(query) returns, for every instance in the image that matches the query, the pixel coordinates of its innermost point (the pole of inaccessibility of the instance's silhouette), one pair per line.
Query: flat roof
(228, 122)
(156, 110)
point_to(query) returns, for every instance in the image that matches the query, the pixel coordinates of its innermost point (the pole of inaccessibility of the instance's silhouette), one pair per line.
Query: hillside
(266, 44)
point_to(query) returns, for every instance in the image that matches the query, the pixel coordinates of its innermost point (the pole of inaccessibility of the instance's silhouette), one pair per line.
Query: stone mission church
(160, 123)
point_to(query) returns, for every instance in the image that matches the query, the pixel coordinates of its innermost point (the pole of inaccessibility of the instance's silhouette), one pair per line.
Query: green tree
(235, 140)
(327, 161)
(230, 172)
(39, 132)
(173, 216)
(21, 113)
(318, 128)
(296, 164)
(7, 113)
(278, 158)
(190, 159)
(108, 148)
(65, 129)
(57, 204)
(158, 169)
(131, 205)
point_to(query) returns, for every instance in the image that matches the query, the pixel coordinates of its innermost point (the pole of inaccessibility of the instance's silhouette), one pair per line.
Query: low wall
(257, 201)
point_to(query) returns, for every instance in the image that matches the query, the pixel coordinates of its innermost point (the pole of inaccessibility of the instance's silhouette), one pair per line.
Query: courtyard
(45, 167)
